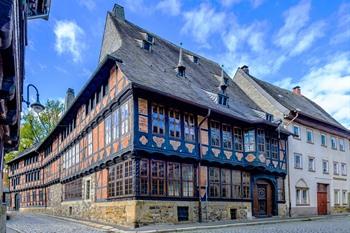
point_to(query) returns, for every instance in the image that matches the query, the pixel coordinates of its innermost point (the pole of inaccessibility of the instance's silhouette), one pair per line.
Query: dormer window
(222, 99)
(181, 71)
(269, 117)
(147, 45)
(195, 59)
(150, 38)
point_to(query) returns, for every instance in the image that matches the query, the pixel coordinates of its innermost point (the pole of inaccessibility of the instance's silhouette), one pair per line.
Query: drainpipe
(199, 166)
(288, 171)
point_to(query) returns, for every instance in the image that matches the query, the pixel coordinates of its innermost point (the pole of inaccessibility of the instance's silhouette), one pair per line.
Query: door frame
(273, 185)
(325, 191)
(17, 201)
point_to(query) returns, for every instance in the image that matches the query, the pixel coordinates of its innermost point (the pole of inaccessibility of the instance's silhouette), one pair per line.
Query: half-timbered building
(158, 134)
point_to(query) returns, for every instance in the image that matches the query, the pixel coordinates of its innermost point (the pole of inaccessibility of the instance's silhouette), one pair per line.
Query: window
(124, 110)
(343, 169)
(215, 133)
(341, 145)
(238, 139)
(108, 130)
(309, 136)
(144, 177)
(325, 166)
(115, 180)
(261, 140)
(312, 167)
(298, 162)
(345, 197)
(245, 185)
(236, 184)
(73, 190)
(128, 171)
(323, 140)
(302, 196)
(187, 180)
(115, 124)
(274, 148)
(158, 119)
(182, 213)
(335, 168)
(225, 183)
(227, 136)
(174, 179)
(222, 99)
(189, 127)
(334, 142)
(90, 143)
(336, 197)
(214, 182)
(158, 177)
(296, 131)
(87, 189)
(280, 189)
(174, 123)
(249, 140)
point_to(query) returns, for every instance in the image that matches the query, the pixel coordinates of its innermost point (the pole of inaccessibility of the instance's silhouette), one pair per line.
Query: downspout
(288, 170)
(199, 167)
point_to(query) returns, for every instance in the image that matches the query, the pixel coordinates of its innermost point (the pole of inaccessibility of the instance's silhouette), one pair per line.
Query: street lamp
(36, 106)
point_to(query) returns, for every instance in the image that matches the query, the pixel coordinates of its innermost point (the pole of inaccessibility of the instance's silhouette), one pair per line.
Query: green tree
(35, 127)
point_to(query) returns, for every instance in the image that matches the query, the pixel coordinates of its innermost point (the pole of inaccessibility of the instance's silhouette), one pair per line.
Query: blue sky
(288, 43)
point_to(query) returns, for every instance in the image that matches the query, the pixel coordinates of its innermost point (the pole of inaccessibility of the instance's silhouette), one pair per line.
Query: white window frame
(325, 138)
(295, 161)
(336, 197)
(313, 166)
(333, 146)
(299, 132)
(343, 169)
(325, 171)
(344, 197)
(341, 144)
(299, 196)
(312, 135)
(336, 169)
(90, 142)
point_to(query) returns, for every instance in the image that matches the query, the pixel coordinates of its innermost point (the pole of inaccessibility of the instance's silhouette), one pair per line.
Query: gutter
(199, 168)
(288, 171)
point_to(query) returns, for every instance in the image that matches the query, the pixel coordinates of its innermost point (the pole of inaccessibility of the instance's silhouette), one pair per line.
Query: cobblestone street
(30, 223)
(327, 225)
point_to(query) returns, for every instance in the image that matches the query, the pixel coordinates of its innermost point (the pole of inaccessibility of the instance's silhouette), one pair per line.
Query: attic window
(147, 45)
(150, 38)
(195, 59)
(181, 71)
(269, 117)
(223, 100)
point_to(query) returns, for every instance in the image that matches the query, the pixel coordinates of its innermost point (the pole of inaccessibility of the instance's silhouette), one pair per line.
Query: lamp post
(36, 106)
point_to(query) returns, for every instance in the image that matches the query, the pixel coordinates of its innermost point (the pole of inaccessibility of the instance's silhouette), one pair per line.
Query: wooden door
(17, 201)
(262, 199)
(322, 196)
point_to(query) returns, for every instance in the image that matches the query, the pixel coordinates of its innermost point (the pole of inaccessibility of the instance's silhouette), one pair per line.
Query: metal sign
(38, 9)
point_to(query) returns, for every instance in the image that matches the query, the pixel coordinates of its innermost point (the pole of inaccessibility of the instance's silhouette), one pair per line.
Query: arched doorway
(17, 201)
(263, 198)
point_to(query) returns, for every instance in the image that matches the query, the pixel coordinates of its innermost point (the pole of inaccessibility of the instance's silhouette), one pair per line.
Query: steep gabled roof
(299, 103)
(156, 70)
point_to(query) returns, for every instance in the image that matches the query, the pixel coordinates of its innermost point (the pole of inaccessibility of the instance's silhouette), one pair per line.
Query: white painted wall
(320, 153)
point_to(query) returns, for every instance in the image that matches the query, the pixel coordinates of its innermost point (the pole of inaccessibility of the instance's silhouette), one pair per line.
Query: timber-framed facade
(157, 135)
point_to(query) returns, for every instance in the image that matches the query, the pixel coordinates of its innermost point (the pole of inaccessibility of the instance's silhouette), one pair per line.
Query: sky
(288, 43)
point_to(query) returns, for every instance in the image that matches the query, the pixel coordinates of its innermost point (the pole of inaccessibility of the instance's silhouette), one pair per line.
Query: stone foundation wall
(282, 210)
(219, 211)
(339, 209)
(155, 212)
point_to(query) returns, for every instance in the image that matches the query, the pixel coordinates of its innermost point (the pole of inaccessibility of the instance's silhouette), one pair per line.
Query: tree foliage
(35, 127)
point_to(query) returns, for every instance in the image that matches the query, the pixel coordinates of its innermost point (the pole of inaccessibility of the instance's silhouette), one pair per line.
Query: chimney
(181, 68)
(245, 69)
(118, 12)
(69, 98)
(223, 80)
(296, 90)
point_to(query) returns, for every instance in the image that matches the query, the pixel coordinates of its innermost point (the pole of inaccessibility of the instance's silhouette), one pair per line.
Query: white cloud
(229, 2)
(307, 37)
(343, 29)
(295, 18)
(203, 22)
(69, 39)
(328, 85)
(89, 4)
(257, 3)
(172, 7)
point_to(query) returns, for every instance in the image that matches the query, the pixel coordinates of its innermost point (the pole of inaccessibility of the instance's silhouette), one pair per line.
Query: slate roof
(300, 103)
(155, 70)
(25, 152)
